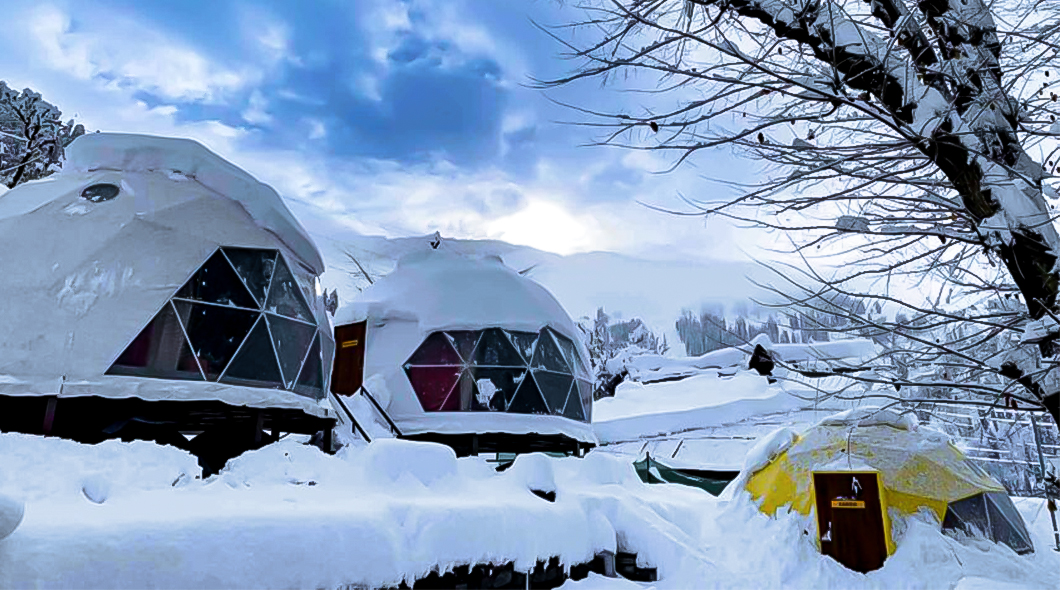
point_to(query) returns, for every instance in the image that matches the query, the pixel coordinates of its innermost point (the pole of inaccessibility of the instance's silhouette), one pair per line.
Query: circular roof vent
(97, 193)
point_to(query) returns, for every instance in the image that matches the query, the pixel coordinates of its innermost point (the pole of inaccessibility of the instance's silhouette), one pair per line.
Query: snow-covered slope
(655, 291)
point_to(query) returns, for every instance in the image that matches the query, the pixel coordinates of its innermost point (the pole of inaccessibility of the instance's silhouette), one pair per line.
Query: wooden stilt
(49, 414)
(259, 425)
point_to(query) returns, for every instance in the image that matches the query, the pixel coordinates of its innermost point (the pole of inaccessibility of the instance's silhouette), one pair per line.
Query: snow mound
(873, 416)
(11, 513)
(768, 448)
(34, 468)
(289, 516)
(709, 399)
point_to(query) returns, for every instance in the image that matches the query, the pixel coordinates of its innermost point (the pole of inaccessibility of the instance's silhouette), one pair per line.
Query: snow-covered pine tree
(32, 136)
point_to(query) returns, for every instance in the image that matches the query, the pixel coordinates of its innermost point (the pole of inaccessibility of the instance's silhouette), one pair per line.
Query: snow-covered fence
(1002, 441)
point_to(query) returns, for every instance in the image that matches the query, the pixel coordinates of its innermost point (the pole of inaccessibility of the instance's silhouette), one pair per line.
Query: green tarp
(713, 482)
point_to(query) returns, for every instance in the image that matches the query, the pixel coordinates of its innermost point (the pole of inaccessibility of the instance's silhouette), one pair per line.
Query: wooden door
(347, 373)
(850, 519)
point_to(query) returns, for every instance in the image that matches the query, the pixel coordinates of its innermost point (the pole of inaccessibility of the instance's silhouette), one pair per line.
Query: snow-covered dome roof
(189, 159)
(464, 344)
(444, 290)
(147, 243)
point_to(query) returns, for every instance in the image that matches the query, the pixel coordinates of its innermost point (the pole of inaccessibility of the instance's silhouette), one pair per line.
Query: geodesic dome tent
(918, 468)
(153, 286)
(474, 355)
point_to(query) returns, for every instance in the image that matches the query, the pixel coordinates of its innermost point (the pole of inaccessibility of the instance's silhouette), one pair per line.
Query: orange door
(347, 373)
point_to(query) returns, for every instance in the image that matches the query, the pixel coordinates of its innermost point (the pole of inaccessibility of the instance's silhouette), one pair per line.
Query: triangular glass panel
(524, 343)
(466, 391)
(311, 380)
(434, 386)
(291, 340)
(528, 399)
(570, 352)
(496, 386)
(254, 267)
(1006, 524)
(159, 350)
(215, 333)
(255, 362)
(496, 350)
(216, 282)
(464, 341)
(285, 298)
(554, 387)
(547, 354)
(437, 349)
(573, 409)
(585, 392)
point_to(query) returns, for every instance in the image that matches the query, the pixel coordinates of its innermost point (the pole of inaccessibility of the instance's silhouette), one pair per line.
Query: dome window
(97, 193)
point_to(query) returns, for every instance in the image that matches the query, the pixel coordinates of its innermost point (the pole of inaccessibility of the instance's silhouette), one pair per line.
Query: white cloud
(553, 211)
(256, 112)
(549, 226)
(130, 54)
(316, 129)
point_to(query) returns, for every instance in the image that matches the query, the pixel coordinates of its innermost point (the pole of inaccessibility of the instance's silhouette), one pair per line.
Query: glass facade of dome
(498, 370)
(242, 319)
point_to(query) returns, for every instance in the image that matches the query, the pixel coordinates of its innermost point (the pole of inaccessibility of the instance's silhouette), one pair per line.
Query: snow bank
(873, 416)
(34, 468)
(841, 353)
(288, 516)
(638, 410)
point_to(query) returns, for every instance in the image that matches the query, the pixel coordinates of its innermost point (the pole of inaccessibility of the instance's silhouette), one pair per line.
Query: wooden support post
(259, 425)
(326, 443)
(49, 414)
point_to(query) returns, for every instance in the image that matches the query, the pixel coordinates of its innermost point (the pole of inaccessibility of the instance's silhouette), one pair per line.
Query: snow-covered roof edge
(147, 153)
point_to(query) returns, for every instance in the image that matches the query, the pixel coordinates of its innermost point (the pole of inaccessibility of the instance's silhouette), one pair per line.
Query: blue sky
(393, 117)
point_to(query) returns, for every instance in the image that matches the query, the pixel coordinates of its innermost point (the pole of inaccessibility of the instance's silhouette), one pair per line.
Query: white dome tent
(152, 288)
(467, 352)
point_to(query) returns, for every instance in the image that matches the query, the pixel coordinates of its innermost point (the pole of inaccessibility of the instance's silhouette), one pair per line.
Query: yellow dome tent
(915, 468)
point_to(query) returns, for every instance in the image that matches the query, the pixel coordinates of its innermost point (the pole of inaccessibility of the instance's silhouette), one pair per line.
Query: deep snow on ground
(707, 400)
(133, 515)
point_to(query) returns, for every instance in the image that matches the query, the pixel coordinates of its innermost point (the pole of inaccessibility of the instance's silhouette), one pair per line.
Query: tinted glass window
(437, 349)
(464, 341)
(255, 361)
(254, 268)
(528, 399)
(554, 387)
(524, 343)
(291, 340)
(285, 298)
(216, 282)
(214, 326)
(160, 349)
(547, 354)
(484, 371)
(311, 380)
(496, 349)
(434, 386)
(498, 386)
(215, 333)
